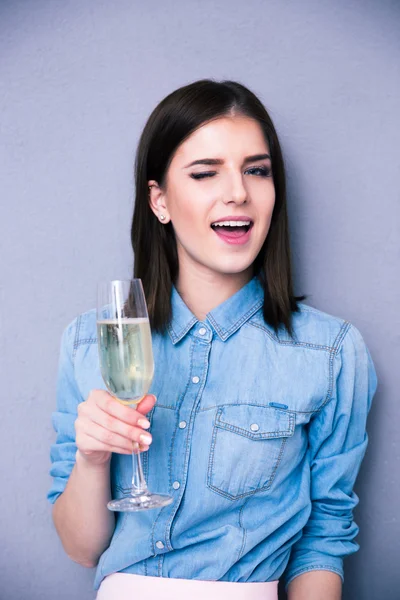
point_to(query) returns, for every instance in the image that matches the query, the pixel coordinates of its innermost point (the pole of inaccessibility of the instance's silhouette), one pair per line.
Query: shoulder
(81, 330)
(312, 328)
(318, 327)
(340, 336)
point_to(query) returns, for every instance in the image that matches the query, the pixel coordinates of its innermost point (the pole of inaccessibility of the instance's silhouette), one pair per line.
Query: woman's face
(219, 196)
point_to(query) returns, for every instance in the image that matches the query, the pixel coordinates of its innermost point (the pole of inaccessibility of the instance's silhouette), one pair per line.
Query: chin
(233, 269)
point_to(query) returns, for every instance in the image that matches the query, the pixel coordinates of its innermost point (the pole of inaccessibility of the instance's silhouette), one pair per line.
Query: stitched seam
(270, 435)
(278, 462)
(168, 526)
(254, 436)
(252, 492)
(171, 451)
(241, 551)
(332, 355)
(295, 412)
(160, 564)
(225, 333)
(289, 342)
(170, 459)
(250, 404)
(171, 333)
(177, 408)
(183, 332)
(214, 324)
(187, 328)
(191, 352)
(345, 328)
(85, 341)
(246, 316)
(313, 568)
(212, 450)
(265, 488)
(152, 532)
(75, 346)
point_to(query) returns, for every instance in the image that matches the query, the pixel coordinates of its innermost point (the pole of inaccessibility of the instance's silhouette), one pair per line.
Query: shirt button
(160, 545)
(254, 427)
(202, 331)
(196, 379)
(176, 485)
(182, 425)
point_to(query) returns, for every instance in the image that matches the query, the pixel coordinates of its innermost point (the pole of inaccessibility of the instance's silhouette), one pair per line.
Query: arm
(87, 433)
(80, 490)
(316, 585)
(337, 444)
(80, 514)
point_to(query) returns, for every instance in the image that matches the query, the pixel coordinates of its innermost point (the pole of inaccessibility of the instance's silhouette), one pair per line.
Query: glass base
(145, 501)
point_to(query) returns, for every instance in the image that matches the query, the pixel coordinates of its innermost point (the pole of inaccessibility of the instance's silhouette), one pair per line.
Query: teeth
(231, 223)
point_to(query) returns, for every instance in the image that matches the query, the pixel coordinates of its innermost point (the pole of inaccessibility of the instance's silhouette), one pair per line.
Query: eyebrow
(219, 161)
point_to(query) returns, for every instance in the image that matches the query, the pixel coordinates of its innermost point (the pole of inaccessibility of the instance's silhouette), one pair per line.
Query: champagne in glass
(126, 357)
(127, 367)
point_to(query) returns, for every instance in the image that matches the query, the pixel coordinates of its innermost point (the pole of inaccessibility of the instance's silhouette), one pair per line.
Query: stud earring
(162, 217)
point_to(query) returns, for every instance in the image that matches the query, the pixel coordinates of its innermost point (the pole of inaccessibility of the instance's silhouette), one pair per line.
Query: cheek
(188, 211)
(265, 208)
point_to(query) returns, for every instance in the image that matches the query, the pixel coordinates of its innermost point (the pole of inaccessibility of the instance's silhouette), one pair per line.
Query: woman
(259, 423)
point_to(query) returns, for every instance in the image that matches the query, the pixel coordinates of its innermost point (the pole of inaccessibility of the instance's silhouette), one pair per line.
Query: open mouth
(232, 228)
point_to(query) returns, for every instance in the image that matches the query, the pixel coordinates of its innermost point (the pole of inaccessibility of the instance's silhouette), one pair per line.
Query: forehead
(225, 137)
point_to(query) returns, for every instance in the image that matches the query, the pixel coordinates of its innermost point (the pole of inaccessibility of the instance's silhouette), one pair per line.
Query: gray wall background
(77, 82)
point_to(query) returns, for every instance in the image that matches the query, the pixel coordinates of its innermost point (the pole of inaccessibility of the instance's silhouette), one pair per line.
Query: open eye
(260, 171)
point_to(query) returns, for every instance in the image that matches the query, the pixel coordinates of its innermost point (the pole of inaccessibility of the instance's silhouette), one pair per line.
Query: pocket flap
(256, 422)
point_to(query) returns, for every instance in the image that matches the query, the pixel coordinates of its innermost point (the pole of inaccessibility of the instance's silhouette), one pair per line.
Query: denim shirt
(257, 436)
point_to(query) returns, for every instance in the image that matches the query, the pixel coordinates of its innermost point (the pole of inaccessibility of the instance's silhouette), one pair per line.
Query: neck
(202, 289)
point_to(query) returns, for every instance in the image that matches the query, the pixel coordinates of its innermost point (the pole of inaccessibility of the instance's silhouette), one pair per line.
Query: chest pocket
(247, 445)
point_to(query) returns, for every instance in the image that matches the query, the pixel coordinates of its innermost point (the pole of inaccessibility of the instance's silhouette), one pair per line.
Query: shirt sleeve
(62, 453)
(337, 444)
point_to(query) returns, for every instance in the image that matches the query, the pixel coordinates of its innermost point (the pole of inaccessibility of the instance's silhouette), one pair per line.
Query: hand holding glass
(127, 367)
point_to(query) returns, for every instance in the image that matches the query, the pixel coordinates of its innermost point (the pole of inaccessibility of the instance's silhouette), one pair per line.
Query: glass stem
(139, 486)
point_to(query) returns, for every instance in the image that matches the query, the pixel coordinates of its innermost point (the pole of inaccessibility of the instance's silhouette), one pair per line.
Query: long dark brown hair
(154, 244)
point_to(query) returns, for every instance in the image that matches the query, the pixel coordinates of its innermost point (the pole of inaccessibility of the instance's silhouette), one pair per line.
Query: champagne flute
(127, 367)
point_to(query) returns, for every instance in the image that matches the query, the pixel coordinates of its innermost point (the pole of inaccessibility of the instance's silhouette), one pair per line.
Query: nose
(237, 192)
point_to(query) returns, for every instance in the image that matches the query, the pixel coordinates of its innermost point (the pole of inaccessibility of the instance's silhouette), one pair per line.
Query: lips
(233, 230)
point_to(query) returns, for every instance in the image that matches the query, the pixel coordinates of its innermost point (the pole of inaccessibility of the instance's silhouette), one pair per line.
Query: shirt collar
(225, 319)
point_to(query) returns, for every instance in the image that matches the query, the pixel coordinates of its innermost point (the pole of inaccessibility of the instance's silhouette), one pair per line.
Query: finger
(115, 425)
(89, 446)
(111, 406)
(146, 404)
(109, 438)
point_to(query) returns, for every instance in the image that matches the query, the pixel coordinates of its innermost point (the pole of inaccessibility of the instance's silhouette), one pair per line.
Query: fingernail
(145, 439)
(144, 423)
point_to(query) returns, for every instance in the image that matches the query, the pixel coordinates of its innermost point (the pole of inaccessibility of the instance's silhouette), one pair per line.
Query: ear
(157, 202)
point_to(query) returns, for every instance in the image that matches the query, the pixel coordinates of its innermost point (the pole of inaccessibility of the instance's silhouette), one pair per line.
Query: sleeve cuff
(316, 562)
(63, 457)
(56, 491)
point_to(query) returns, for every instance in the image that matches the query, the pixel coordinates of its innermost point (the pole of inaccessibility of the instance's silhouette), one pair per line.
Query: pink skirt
(124, 586)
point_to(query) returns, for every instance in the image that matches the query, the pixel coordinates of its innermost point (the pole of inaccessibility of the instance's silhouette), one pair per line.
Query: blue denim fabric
(258, 437)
